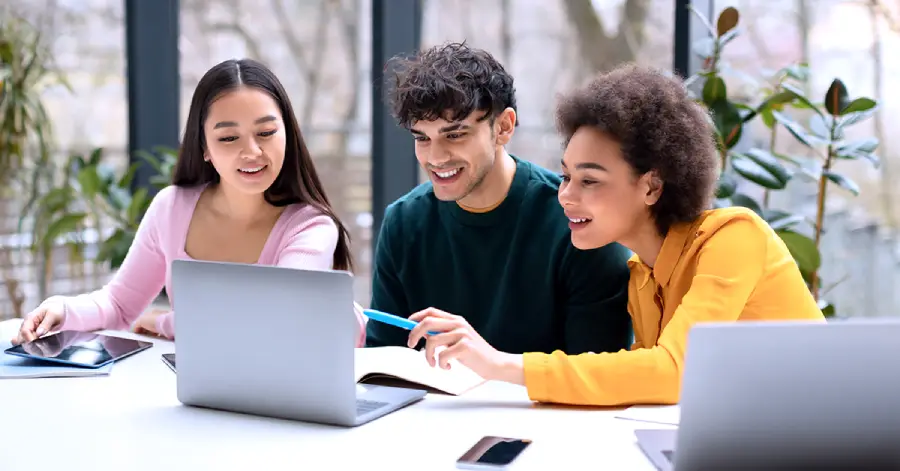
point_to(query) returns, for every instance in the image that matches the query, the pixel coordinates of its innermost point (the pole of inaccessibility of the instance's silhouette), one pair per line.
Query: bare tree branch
(601, 50)
(506, 36)
(310, 69)
(876, 9)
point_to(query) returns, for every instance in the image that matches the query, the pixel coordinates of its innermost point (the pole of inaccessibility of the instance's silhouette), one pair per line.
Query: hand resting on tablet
(45, 318)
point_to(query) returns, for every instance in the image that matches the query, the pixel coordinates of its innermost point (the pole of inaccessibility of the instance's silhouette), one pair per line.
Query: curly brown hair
(449, 81)
(659, 127)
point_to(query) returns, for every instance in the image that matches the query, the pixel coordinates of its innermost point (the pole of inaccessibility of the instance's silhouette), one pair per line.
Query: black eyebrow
(228, 124)
(586, 166)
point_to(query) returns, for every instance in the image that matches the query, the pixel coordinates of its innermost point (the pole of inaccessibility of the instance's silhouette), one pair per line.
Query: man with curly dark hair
(639, 169)
(485, 239)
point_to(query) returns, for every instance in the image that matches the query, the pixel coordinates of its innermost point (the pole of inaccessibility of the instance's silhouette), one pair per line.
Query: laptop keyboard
(364, 407)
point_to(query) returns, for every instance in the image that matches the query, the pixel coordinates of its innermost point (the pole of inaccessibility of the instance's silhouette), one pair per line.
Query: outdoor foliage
(88, 190)
(819, 125)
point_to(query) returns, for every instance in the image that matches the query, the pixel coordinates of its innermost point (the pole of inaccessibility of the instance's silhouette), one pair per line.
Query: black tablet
(84, 349)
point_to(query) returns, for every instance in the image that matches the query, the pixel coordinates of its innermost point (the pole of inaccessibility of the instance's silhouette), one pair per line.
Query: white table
(132, 420)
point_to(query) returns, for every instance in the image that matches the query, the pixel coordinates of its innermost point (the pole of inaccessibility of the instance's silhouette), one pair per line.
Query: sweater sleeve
(135, 284)
(724, 279)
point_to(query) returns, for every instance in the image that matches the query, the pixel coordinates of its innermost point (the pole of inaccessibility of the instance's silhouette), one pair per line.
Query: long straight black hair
(298, 181)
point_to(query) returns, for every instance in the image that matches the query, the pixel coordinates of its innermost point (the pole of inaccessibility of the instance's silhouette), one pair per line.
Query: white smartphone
(492, 453)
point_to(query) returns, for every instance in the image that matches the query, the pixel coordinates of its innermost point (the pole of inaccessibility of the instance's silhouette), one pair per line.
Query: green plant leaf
(866, 145)
(859, 104)
(114, 249)
(96, 156)
(125, 181)
(63, 225)
(728, 19)
(139, 203)
(726, 186)
(827, 308)
(849, 119)
(771, 163)
(803, 249)
(794, 128)
(821, 127)
(714, 90)
(836, 99)
(90, 181)
(798, 71)
(744, 201)
(55, 200)
(728, 122)
(767, 117)
(800, 98)
(842, 182)
(749, 169)
(779, 220)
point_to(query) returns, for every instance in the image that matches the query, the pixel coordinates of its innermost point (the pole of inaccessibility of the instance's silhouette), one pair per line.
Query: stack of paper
(12, 366)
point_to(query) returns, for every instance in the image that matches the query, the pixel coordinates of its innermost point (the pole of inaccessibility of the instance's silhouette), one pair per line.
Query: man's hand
(146, 323)
(463, 344)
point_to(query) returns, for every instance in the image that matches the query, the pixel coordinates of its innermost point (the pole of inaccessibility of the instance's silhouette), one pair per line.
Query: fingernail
(39, 332)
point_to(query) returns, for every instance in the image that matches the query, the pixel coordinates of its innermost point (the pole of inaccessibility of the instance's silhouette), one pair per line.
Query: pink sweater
(301, 238)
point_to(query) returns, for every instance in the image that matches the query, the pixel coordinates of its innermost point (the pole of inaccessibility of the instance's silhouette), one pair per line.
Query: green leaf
(867, 145)
(850, 119)
(770, 163)
(801, 97)
(779, 220)
(842, 182)
(859, 149)
(797, 72)
(859, 104)
(794, 128)
(55, 200)
(726, 186)
(728, 122)
(749, 169)
(64, 225)
(90, 181)
(803, 249)
(115, 248)
(827, 308)
(821, 127)
(779, 98)
(714, 90)
(139, 203)
(767, 117)
(836, 99)
(96, 156)
(745, 201)
(125, 181)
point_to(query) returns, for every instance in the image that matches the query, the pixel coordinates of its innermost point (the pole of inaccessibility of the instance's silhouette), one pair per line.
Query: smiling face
(602, 196)
(459, 155)
(245, 139)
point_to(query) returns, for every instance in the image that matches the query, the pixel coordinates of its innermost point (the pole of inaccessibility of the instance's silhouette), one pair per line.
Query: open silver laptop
(786, 395)
(271, 341)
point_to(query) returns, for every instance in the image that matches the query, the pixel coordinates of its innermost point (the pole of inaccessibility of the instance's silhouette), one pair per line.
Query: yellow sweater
(727, 265)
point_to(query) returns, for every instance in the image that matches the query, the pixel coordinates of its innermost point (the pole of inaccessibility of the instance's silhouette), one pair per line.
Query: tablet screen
(79, 348)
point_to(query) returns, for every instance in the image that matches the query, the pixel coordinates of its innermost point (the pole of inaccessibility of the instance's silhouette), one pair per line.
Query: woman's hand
(45, 318)
(146, 323)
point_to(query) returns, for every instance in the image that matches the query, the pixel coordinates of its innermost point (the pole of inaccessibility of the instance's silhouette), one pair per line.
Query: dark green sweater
(511, 272)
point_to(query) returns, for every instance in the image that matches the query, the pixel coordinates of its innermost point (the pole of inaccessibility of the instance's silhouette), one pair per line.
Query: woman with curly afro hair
(639, 168)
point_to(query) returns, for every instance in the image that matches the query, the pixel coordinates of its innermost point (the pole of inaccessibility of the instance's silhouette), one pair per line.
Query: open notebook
(12, 366)
(405, 365)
